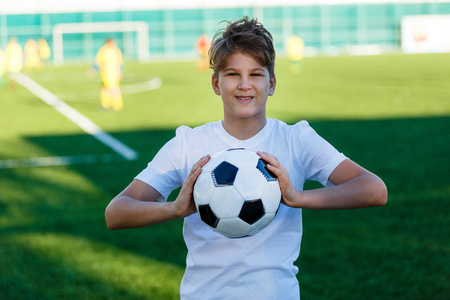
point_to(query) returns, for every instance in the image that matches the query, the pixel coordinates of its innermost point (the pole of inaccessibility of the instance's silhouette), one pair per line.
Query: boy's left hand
(288, 191)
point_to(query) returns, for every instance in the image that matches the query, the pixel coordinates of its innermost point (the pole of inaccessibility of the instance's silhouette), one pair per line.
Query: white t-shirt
(254, 267)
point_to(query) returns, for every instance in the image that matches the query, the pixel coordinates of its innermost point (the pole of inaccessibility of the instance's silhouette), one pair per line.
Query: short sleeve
(164, 171)
(319, 158)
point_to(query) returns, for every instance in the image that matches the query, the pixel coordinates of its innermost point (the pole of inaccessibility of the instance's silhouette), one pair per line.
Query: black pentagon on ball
(207, 215)
(252, 211)
(261, 166)
(224, 174)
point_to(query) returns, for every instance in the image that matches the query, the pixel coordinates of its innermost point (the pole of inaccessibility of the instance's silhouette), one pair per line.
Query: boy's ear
(273, 84)
(215, 84)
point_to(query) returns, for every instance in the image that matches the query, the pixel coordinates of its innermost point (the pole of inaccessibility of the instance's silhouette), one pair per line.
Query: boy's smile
(244, 86)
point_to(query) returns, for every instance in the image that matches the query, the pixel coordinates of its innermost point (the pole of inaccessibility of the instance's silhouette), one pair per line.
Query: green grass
(391, 114)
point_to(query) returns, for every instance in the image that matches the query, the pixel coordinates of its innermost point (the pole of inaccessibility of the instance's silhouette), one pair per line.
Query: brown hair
(244, 35)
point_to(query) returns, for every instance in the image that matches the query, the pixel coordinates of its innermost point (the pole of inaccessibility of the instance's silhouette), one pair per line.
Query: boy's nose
(244, 84)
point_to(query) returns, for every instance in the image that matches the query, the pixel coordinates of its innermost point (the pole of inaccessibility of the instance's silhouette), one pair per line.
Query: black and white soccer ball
(235, 194)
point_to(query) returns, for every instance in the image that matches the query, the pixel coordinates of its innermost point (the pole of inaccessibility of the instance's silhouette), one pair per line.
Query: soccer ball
(235, 194)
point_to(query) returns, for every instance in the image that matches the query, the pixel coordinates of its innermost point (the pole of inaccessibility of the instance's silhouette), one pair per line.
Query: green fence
(172, 33)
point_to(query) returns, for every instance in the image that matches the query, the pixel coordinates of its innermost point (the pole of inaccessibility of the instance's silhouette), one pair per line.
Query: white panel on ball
(226, 202)
(243, 158)
(206, 186)
(262, 223)
(271, 197)
(250, 183)
(233, 227)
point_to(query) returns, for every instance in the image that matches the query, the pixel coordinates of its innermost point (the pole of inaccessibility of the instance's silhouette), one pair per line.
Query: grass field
(389, 113)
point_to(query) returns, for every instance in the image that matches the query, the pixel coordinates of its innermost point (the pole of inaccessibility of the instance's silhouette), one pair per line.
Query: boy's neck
(243, 129)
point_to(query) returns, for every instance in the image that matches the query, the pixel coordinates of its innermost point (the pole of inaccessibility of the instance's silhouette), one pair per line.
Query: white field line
(83, 122)
(129, 89)
(134, 88)
(59, 161)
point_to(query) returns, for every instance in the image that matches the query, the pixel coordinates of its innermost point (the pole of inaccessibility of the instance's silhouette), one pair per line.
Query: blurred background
(168, 29)
(371, 76)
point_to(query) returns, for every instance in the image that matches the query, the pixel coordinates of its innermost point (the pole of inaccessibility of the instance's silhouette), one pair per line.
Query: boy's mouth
(244, 99)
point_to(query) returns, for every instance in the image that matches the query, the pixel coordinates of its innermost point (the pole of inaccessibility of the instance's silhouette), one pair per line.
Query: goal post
(140, 27)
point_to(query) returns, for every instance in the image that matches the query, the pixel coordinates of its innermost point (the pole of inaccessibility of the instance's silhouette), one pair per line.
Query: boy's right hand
(184, 205)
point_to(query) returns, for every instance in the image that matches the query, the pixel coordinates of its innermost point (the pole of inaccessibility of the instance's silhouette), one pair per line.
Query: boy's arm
(354, 187)
(136, 205)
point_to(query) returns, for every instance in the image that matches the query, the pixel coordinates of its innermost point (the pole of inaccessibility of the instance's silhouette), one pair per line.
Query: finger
(192, 177)
(281, 173)
(278, 172)
(195, 175)
(268, 158)
(200, 163)
(204, 160)
(197, 168)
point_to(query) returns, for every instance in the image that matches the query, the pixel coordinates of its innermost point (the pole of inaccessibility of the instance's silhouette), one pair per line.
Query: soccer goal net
(79, 37)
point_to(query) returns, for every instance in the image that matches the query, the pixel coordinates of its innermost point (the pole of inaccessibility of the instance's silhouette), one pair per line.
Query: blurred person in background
(202, 45)
(2, 66)
(14, 60)
(109, 61)
(32, 57)
(44, 51)
(295, 48)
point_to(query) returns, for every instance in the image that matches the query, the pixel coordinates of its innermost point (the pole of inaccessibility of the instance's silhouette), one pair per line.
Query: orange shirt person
(109, 61)
(203, 44)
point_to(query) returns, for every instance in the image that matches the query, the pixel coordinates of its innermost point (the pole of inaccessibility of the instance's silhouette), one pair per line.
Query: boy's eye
(237, 74)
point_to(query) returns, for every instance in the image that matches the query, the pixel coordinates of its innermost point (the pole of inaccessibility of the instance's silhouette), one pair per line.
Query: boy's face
(244, 86)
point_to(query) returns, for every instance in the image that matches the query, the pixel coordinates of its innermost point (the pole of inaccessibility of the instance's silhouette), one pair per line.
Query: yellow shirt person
(32, 57)
(14, 56)
(44, 49)
(295, 48)
(2, 66)
(14, 60)
(109, 61)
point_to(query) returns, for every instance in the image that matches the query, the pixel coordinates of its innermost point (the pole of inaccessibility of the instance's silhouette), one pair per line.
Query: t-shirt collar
(233, 142)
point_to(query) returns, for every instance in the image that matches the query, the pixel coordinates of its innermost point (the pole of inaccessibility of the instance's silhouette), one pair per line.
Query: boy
(260, 266)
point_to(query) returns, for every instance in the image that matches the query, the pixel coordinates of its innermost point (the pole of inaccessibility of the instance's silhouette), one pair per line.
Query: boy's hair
(244, 35)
